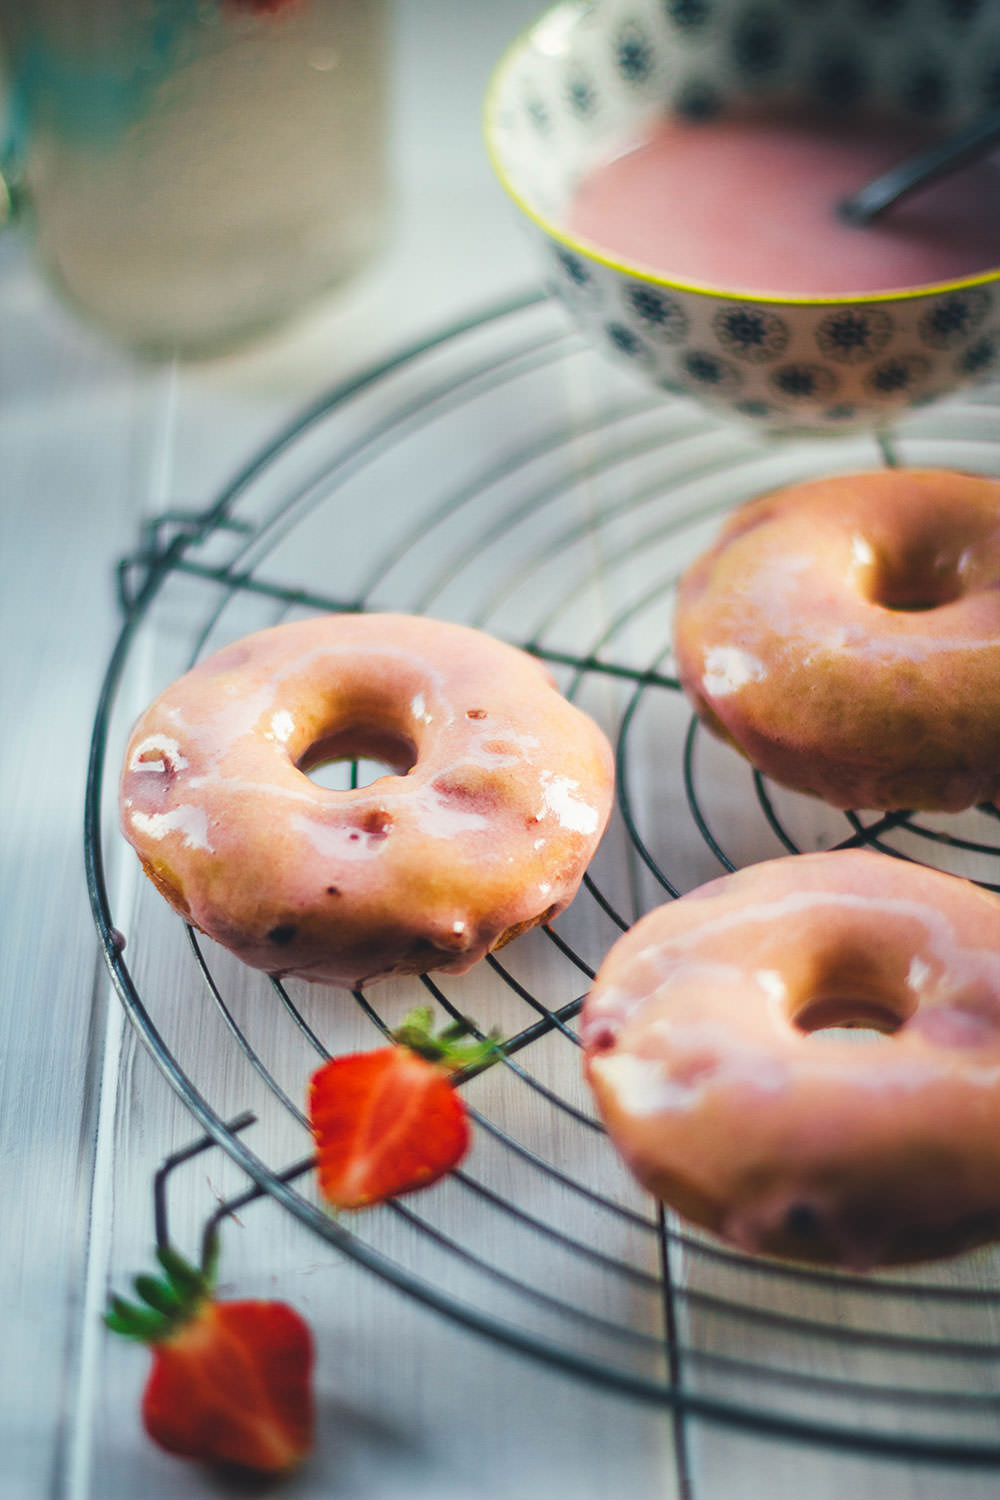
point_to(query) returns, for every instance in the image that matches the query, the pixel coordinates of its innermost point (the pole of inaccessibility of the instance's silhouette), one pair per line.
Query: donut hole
(357, 756)
(915, 584)
(827, 1017)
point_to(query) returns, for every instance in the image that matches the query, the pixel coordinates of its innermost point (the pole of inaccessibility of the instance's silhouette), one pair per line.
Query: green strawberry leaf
(452, 1047)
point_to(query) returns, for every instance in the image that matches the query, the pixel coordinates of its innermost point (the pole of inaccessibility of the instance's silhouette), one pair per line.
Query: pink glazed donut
(844, 634)
(501, 792)
(698, 1049)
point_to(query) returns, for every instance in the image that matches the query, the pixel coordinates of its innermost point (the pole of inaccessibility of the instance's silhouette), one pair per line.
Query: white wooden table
(412, 1407)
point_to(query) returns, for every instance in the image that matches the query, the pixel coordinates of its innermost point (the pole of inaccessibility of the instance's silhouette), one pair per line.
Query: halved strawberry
(389, 1121)
(231, 1382)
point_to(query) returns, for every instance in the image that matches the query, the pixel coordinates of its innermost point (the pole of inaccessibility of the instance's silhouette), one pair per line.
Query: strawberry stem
(161, 1296)
(453, 1047)
(210, 1251)
(175, 1297)
(134, 1322)
(179, 1271)
(169, 1300)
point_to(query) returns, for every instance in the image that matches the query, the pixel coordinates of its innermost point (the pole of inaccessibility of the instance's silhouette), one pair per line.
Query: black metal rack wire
(554, 503)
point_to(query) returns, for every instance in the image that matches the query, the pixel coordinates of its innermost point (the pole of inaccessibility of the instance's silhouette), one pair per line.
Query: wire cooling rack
(505, 476)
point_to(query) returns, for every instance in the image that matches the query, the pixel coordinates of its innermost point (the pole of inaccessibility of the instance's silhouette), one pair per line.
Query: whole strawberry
(231, 1382)
(389, 1121)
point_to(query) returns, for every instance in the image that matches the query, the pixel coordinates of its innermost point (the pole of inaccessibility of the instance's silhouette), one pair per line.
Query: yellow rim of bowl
(494, 90)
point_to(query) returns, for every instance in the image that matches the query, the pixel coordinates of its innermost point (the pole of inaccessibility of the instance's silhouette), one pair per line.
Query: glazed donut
(501, 793)
(844, 634)
(698, 1049)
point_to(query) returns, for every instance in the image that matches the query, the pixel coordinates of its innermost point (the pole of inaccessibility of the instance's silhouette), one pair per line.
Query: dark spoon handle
(963, 145)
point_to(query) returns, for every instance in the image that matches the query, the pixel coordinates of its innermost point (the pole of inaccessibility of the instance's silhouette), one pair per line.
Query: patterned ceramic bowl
(591, 75)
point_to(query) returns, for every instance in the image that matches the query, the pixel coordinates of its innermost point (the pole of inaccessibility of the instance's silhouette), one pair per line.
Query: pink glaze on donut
(502, 792)
(844, 634)
(697, 1035)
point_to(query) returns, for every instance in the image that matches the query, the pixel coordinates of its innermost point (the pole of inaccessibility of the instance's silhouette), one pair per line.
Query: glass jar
(194, 172)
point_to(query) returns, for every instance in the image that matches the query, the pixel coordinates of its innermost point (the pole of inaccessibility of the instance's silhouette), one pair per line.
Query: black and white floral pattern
(898, 375)
(804, 382)
(661, 315)
(851, 335)
(949, 320)
(751, 333)
(707, 370)
(634, 53)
